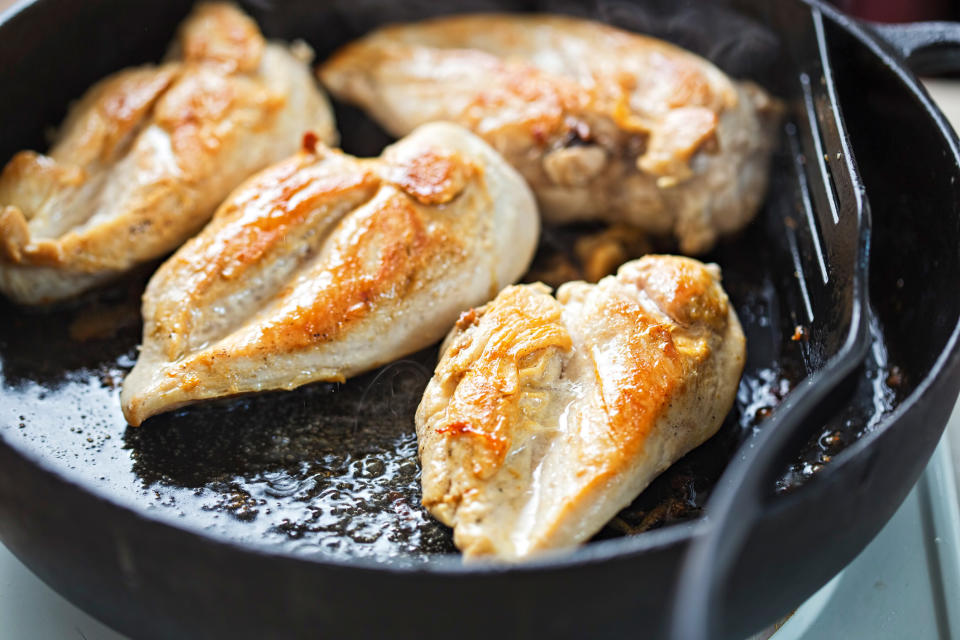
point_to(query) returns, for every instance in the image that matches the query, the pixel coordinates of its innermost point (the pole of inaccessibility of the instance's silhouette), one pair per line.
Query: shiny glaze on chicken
(603, 123)
(324, 266)
(146, 155)
(546, 416)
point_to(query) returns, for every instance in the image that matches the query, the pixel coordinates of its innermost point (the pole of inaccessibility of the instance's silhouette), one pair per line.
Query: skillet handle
(742, 493)
(928, 48)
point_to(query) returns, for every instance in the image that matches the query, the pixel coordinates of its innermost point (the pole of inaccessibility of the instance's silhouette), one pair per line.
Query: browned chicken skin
(324, 266)
(546, 416)
(144, 158)
(603, 124)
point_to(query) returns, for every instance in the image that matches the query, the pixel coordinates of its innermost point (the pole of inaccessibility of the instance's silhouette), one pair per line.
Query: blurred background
(901, 10)
(879, 10)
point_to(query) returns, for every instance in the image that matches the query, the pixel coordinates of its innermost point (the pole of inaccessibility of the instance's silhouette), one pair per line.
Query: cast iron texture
(149, 577)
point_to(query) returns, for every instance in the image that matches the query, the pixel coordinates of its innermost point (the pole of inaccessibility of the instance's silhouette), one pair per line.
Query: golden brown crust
(390, 248)
(603, 123)
(99, 127)
(325, 265)
(14, 233)
(488, 367)
(678, 78)
(432, 178)
(145, 156)
(545, 416)
(645, 371)
(219, 33)
(260, 216)
(684, 289)
(682, 133)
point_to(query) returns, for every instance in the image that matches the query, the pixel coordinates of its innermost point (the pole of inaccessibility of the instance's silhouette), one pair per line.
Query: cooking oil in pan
(330, 469)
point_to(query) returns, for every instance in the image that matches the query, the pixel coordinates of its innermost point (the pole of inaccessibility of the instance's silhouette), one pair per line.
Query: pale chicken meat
(603, 123)
(546, 416)
(325, 266)
(146, 155)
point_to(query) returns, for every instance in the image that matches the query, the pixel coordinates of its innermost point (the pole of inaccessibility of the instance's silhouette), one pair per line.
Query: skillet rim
(949, 357)
(600, 551)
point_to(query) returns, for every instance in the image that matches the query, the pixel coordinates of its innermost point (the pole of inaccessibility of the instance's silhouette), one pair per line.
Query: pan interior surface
(330, 470)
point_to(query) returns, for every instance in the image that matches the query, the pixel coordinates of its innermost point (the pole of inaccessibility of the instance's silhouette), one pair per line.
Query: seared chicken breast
(145, 157)
(324, 266)
(603, 124)
(546, 416)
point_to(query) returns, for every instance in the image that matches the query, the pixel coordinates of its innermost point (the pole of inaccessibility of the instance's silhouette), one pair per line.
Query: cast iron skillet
(296, 514)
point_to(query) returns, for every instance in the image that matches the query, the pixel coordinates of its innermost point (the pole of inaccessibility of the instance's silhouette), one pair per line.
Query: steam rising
(741, 46)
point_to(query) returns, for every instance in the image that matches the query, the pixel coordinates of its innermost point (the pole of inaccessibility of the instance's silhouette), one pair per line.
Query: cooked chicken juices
(603, 124)
(145, 157)
(546, 416)
(324, 266)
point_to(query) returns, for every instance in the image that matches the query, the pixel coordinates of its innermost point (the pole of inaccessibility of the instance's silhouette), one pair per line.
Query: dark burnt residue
(309, 142)
(878, 390)
(578, 134)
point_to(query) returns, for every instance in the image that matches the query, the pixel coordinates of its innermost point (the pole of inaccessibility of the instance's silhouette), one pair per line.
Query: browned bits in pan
(310, 141)
(602, 253)
(554, 270)
(895, 377)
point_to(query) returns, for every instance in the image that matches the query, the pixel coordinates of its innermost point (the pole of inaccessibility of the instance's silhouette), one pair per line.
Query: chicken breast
(325, 266)
(145, 157)
(603, 124)
(546, 416)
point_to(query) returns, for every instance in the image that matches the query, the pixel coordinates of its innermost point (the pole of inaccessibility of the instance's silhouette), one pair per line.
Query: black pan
(296, 514)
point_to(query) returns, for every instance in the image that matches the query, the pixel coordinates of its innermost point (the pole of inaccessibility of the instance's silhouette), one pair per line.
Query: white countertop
(946, 93)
